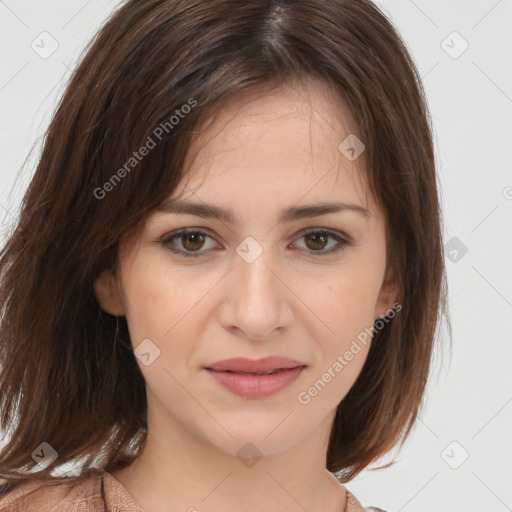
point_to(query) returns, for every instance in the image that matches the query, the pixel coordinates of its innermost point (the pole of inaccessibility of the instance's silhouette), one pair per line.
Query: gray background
(458, 456)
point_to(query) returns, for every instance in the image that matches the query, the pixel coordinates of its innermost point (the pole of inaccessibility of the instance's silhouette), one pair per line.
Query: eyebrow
(287, 215)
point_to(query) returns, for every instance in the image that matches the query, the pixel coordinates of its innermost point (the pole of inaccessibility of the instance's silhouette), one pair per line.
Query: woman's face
(261, 283)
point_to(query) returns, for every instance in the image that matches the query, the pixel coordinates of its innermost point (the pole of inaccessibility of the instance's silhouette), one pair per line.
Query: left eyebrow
(287, 215)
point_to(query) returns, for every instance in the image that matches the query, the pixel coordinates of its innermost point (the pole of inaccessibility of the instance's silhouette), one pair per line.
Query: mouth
(270, 372)
(266, 366)
(256, 384)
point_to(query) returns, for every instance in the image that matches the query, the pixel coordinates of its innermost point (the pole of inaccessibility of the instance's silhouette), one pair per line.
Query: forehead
(276, 147)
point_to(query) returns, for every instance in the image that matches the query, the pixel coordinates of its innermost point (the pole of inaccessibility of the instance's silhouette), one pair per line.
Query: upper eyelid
(343, 241)
(301, 233)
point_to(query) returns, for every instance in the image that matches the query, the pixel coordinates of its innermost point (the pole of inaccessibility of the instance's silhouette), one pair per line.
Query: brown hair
(68, 373)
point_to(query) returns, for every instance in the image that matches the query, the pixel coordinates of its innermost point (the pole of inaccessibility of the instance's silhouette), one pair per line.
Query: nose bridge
(255, 305)
(253, 265)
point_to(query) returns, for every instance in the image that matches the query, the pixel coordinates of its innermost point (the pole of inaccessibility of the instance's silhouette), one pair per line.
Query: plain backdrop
(458, 456)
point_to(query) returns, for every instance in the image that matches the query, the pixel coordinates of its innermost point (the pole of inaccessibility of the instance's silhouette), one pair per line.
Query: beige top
(98, 492)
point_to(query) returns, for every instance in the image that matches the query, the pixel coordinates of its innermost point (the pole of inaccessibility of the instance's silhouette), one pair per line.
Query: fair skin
(263, 154)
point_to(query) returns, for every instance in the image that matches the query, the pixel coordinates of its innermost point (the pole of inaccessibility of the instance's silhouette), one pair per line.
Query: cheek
(343, 310)
(160, 307)
(343, 304)
(157, 300)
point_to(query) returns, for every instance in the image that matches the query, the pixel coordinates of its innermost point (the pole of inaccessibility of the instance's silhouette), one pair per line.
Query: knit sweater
(95, 491)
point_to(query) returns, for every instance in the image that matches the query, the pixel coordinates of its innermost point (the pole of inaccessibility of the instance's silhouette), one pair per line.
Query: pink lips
(246, 378)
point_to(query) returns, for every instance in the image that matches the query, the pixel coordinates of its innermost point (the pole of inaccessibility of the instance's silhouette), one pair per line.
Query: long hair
(156, 72)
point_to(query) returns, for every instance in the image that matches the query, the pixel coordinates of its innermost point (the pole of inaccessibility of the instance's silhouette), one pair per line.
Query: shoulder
(353, 505)
(73, 494)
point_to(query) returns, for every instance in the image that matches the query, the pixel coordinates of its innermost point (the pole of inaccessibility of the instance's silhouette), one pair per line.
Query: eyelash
(167, 239)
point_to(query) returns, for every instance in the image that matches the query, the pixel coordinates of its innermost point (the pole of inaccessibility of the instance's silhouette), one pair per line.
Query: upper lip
(241, 364)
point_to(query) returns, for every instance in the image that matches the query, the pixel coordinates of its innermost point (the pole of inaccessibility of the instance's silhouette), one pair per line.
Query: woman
(223, 289)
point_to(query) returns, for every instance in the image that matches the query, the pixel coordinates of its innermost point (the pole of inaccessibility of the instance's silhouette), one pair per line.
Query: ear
(388, 295)
(107, 294)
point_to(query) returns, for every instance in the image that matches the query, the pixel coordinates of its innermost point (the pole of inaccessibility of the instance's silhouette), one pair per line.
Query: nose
(258, 300)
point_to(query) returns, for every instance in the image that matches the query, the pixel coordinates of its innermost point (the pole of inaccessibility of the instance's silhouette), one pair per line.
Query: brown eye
(318, 241)
(192, 241)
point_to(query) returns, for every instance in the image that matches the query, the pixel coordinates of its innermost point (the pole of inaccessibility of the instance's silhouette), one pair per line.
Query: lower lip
(256, 386)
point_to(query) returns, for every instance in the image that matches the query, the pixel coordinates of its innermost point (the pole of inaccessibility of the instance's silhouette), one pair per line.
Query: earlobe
(107, 294)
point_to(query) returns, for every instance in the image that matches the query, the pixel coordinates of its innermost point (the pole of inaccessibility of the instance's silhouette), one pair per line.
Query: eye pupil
(192, 243)
(317, 236)
(193, 236)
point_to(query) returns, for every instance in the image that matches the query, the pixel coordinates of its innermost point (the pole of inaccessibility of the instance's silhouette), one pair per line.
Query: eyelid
(328, 231)
(343, 241)
(302, 232)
